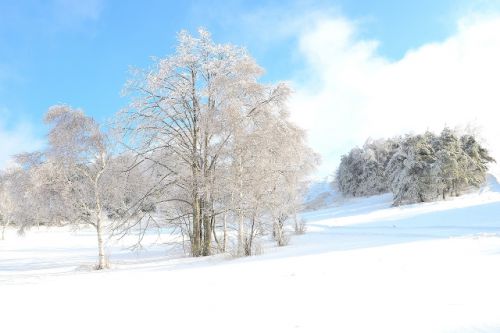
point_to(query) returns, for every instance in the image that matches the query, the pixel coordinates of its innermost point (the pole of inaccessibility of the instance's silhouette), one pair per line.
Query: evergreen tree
(362, 170)
(409, 170)
(415, 168)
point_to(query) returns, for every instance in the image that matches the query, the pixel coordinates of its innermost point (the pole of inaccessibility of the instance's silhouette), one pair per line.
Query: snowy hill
(320, 194)
(363, 266)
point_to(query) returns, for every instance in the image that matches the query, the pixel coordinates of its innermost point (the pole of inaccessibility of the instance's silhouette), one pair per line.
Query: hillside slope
(363, 266)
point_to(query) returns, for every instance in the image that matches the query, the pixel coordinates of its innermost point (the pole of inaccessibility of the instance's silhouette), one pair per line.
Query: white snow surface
(363, 266)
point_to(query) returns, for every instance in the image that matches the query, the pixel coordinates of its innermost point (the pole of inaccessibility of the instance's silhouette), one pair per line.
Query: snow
(320, 194)
(363, 266)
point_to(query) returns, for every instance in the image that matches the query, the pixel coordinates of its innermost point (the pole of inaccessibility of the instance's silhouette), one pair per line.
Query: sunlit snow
(363, 266)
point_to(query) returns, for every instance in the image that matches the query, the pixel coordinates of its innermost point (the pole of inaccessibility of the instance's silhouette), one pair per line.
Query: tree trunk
(249, 243)
(207, 236)
(102, 264)
(100, 244)
(278, 229)
(196, 237)
(241, 240)
(241, 226)
(214, 233)
(7, 222)
(224, 241)
(296, 222)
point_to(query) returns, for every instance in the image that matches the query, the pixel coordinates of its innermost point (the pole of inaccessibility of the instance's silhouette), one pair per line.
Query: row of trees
(203, 148)
(415, 168)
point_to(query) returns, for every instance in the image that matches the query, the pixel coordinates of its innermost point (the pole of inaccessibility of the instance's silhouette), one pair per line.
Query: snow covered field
(363, 266)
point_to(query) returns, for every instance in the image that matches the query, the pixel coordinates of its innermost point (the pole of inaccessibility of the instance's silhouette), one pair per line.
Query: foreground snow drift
(363, 266)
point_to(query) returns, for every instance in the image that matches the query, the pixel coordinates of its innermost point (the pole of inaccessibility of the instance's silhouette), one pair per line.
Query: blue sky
(79, 52)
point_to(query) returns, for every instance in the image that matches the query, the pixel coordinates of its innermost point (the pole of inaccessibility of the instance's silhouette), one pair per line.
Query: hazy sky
(359, 68)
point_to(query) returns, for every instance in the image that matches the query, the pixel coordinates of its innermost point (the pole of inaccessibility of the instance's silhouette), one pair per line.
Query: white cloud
(354, 93)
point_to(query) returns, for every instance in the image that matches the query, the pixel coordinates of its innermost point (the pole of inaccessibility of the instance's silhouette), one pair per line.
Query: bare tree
(185, 114)
(77, 162)
(18, 200)
(269, 178)
(6, 204)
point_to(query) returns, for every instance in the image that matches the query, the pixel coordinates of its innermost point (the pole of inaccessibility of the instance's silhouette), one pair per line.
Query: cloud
(17, 139)
(354, 93)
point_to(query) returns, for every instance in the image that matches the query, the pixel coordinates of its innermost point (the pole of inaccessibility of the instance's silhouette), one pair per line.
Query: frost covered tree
(362, 171)
(461, 162)
(6, 203)
(195, 117)
(350, 172)
(409, 170)
(77, 169)
(450, 159)
(415, 168)
(292, 161)
(75, 181)
(477, 159)
(19, 203)
(428, 167)
(268, 169)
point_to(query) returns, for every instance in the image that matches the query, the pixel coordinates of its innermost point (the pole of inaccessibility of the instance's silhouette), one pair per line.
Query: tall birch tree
(76, 165)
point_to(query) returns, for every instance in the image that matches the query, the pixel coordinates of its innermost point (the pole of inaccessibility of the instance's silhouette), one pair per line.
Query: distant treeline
(415, 168)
